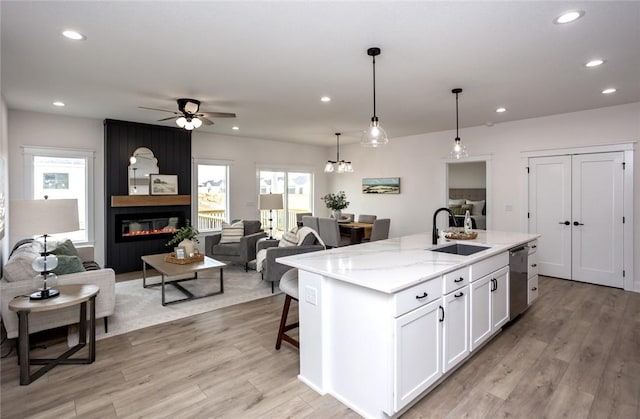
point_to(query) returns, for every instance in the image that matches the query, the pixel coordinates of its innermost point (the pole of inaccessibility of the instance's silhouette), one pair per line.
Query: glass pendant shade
(328, 168)
(459, 150)
(375, 135)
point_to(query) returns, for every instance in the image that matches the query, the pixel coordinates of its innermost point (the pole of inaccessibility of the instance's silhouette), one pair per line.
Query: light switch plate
(311, 295)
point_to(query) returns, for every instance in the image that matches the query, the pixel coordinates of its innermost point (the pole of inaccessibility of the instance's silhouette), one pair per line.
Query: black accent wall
(172, 148)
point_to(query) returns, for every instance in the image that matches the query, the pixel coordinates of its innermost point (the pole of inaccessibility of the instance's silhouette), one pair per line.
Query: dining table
(356, 231)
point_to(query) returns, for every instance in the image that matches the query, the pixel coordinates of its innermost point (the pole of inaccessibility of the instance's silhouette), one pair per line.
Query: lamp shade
(43, 216)
(271, 201)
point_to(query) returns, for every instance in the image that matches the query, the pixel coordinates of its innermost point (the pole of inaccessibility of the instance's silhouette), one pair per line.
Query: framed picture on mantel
(163, 184)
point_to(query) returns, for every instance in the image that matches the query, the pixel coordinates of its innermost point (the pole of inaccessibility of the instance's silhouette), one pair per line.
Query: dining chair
(365, 218)
(329, 231)
(380, 229)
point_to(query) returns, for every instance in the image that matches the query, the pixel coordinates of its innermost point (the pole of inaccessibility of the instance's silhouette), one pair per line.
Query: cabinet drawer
(532, 269)
(456, 279)
(417, 296)
(485, 267)
(532, 290)
(533, 246)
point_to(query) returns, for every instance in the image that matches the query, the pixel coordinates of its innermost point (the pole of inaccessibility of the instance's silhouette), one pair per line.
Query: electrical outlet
(311, 295)
(508, 208)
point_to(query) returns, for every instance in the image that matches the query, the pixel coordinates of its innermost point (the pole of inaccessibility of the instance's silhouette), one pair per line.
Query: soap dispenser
(467, 222)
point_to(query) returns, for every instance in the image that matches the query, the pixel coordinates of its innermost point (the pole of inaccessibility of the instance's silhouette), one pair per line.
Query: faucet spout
(434, 234)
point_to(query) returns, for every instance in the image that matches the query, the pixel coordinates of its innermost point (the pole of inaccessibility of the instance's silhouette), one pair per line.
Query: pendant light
(374, 136)
(337, 165)
(459, 150)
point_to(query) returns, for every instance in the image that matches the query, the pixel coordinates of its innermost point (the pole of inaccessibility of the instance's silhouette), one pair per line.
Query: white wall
(419, 162)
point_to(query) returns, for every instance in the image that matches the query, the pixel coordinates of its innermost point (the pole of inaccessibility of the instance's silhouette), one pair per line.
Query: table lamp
(271, 201)
(48, 216)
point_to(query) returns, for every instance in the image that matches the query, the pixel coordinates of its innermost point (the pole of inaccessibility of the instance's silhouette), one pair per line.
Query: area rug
(138, 307)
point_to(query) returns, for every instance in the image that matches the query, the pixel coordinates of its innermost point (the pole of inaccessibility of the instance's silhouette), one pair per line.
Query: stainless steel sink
(460, 249)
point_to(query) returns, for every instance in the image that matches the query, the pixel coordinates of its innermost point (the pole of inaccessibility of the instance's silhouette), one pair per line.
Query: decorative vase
(189, 247)
(337, 214)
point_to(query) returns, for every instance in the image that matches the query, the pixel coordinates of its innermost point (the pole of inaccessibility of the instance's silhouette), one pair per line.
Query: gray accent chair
(365, 218)
(299, 217)
(380, 229)
(272, 271)
(241, 252)
(311, 222)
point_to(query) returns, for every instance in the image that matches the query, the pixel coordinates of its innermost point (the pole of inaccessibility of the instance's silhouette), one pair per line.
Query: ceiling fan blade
(218, 114)
(156, 109)
(205, 120)
(166, 119)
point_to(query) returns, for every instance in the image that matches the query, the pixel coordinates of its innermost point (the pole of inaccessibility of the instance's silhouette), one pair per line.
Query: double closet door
(576, 204)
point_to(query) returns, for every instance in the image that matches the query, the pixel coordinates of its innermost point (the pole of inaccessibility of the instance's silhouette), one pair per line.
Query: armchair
(240, 252)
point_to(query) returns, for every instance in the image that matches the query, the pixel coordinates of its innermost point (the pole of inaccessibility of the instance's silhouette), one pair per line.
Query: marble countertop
(392, 265)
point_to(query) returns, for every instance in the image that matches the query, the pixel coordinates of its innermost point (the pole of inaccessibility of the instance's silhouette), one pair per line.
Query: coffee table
(70, 295)
(168, 270)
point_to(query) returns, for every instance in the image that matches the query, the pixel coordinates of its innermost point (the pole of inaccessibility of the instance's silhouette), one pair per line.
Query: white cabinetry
(456, 318)
(418, 352)
(489, 298)
(532, 273)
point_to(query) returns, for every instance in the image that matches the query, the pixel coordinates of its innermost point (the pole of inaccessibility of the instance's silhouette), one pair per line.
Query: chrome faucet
(434, 235)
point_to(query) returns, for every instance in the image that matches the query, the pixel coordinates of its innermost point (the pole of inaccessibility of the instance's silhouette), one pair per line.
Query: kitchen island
(383, 323)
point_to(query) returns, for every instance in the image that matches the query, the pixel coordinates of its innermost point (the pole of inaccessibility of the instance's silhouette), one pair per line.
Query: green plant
(186, 232)
(336, 201)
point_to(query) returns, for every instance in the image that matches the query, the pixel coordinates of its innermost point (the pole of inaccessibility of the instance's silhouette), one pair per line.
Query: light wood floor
(574, 354)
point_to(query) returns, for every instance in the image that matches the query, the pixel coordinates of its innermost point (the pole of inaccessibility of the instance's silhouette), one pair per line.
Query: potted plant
(185, 237)
(336, 202)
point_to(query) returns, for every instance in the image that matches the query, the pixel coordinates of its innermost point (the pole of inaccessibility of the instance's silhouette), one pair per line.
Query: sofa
(18, 280)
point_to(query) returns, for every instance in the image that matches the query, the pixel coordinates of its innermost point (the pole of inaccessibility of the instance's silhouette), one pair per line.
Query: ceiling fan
(188, 115)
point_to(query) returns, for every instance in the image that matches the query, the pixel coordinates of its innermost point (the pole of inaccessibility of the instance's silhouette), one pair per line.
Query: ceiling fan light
(197, 123)
(328, 168)
(181, 122)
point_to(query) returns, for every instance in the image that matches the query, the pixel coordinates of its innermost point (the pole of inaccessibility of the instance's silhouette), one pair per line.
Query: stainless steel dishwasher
(518, 264)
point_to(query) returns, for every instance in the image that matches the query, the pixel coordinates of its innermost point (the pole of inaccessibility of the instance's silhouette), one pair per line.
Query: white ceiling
(270, 62)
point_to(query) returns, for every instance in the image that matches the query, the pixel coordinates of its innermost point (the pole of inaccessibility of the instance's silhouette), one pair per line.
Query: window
(63, 174)
(297, 190)
(212, 180)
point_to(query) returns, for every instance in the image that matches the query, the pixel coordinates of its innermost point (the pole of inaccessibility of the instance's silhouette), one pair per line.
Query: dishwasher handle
(513, 251)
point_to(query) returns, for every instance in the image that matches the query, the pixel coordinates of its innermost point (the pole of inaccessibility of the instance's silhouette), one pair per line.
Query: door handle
(533, 265)
(565, 223)
(575, 223)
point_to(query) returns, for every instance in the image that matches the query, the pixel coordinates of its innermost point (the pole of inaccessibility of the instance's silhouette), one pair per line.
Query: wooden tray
(171, 258)
(460, 235)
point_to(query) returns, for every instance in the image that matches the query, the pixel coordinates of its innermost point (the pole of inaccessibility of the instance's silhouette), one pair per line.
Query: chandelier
(337, 165)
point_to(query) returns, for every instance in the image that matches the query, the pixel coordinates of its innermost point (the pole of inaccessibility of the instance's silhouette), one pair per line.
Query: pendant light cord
(457, 136)
(338, 149)
(374, 88)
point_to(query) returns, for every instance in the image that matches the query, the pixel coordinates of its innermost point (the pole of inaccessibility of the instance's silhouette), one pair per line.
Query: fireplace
(148, 226)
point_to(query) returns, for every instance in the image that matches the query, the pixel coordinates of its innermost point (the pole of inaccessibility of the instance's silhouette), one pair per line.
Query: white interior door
(550, 213)
(597, 185)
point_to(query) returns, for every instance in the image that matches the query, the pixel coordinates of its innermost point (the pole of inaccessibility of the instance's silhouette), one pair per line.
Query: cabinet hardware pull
(575, 223)
(420, 297)
(459, 279)
(460, 294)
(442, 311)
(533, 265)
(567, 223)
(534, 289)
(494, 284)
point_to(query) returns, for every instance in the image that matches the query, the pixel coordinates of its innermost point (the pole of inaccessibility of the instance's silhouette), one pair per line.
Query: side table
(70, 295)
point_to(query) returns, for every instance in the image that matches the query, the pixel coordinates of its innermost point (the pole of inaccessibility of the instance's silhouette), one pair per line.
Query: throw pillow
(68, 265)
(288, 239)
(65, 248)
(232, 233)
(18, 268)
(456, 201)
(478, 207)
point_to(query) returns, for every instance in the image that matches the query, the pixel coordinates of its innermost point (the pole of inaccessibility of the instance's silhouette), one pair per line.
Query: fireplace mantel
(149, 200)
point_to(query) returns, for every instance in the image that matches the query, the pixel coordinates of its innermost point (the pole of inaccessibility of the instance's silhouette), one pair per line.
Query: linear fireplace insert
(148, 226)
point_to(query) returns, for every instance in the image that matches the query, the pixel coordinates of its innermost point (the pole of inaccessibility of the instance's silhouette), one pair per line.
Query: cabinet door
(500, 298)
(418, 352)
(455, 330)
(480, 310)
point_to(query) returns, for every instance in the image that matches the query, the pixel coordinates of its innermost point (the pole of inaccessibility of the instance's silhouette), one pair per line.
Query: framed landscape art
(163, 184)
(381, 185)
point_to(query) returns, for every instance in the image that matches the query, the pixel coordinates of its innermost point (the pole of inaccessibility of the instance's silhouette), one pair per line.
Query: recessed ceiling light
(325, 99)
(235, 128)
(569, 16)
(58, 103)
(71, 34)
(608, 91)
(500, 110)
(594, 63)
